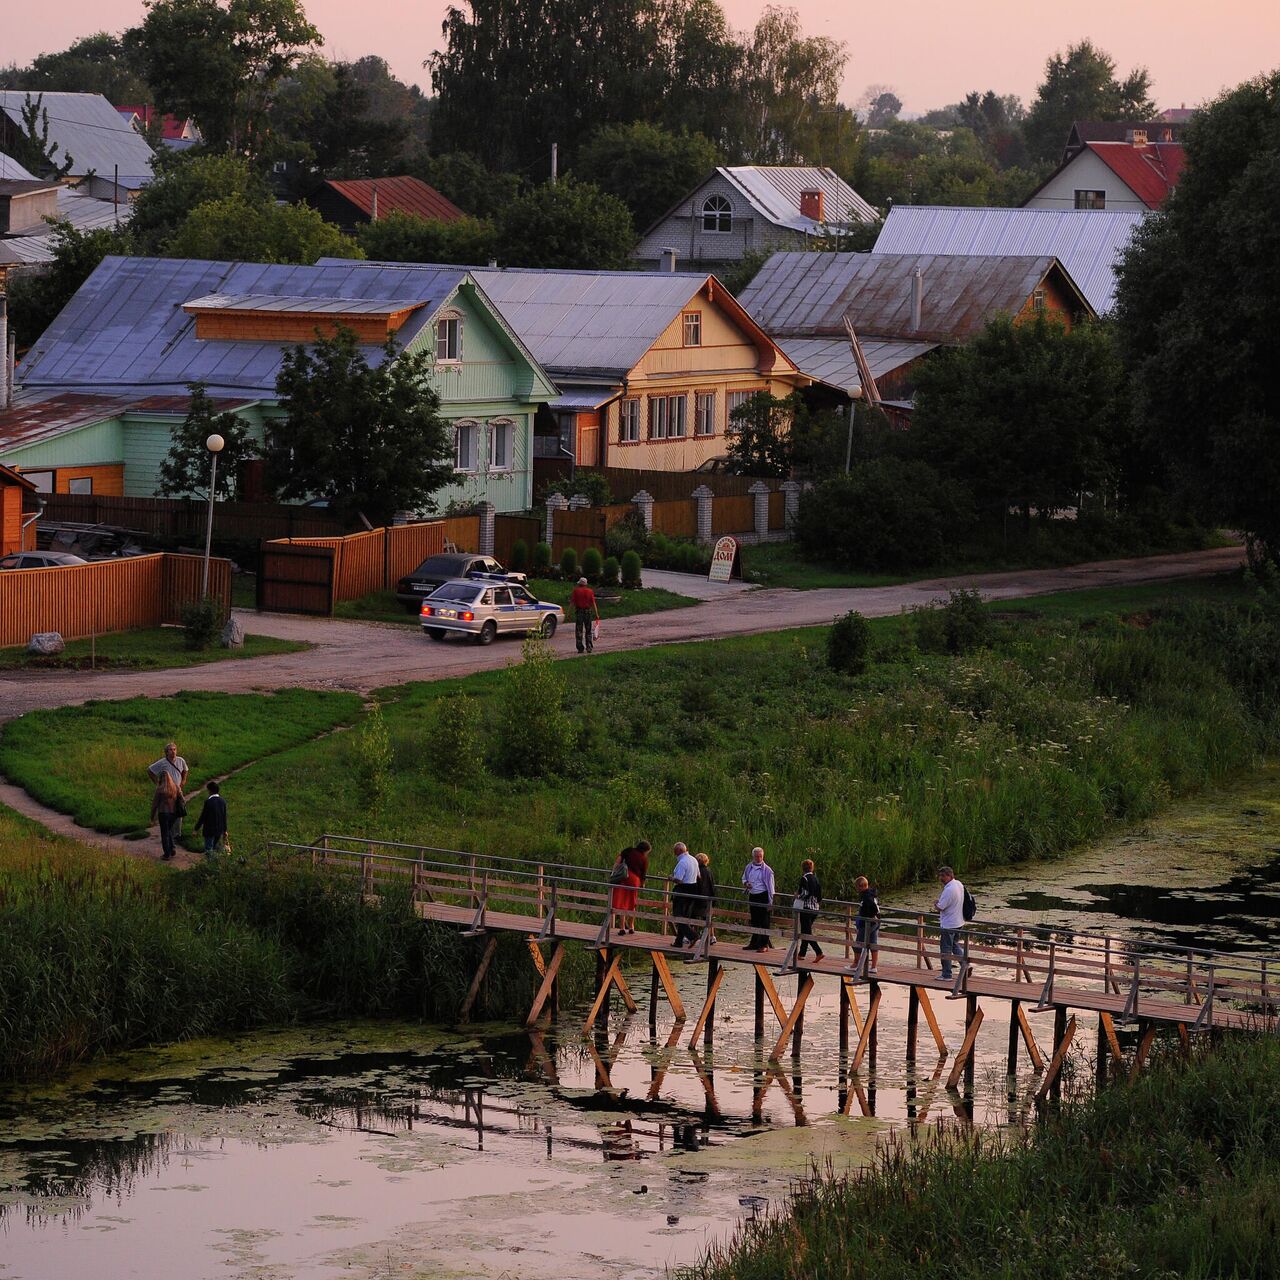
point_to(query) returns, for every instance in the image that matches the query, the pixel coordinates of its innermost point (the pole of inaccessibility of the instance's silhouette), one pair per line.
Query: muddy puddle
(370, 1151)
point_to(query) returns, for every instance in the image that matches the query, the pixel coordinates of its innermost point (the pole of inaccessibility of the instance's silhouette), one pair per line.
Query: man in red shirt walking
(585, 610)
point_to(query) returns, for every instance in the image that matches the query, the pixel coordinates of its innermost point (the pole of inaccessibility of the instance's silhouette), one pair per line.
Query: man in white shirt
(172, 764)
(685, 877)
(758, 879)
(950, 909)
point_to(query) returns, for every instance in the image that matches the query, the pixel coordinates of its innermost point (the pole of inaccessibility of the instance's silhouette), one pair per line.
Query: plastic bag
(595, 630)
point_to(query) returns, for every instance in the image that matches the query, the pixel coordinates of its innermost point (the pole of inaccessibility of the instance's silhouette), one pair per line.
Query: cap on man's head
(582, 582)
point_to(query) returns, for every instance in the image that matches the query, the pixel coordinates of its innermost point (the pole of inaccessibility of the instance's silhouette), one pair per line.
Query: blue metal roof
(126, 329)
(89, 129)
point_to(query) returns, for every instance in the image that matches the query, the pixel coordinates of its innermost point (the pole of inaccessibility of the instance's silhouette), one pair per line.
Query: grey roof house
(744, 209)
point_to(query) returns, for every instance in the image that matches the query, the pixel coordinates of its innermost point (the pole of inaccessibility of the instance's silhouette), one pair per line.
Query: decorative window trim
(495, 426)
(717, 215)
(668, 417)
(472, 426)
(691, 328)
(443, 320)
(629, 416)
(704, 422)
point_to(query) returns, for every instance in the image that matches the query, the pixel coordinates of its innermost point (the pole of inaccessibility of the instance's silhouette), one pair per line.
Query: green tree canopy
(1026, 416)
(404, 237)
(1081, 84)
(565, 224)
(243, 230)
(220, 61)
(98, 63)
(466, 181)
(186, 469)
(184, 181)
(369, 438)
(646, 167)
(1196, 305)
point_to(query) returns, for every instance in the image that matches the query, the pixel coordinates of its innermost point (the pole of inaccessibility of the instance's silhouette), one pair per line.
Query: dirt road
(362, 656)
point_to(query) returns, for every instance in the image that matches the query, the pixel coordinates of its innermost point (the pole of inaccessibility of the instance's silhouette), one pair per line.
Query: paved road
(361, 656)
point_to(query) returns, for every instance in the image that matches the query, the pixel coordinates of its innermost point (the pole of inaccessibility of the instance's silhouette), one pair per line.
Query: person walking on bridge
(808, 902)
(684, 895)
(950, 909)
(758, 877)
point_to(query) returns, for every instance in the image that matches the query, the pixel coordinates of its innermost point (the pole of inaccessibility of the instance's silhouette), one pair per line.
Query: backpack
(968, 908)
(619, 873)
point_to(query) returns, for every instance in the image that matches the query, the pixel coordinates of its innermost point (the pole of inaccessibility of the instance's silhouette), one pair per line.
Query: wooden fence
(583, 528)
(184, 518)
(733, 515)
(664, 486)
(677, 518)
(508, 530)
(777, 510)
(105, 595)
(463, 532)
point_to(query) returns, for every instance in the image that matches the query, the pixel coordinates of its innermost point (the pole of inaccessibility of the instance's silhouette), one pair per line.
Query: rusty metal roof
(400, 195)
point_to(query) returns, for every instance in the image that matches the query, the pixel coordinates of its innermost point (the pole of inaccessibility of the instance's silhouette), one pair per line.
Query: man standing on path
(172, 764)
(585, 613)
(684, 894)
(950, 909)
(758, 877)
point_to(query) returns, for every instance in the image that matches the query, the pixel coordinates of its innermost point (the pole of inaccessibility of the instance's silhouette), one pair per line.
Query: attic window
(1038, 297)
(1091, 199)
(449, 338)
(693, 329)
(717, 214)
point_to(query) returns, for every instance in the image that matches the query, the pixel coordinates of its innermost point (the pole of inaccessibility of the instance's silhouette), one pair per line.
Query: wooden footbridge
(1127, 985)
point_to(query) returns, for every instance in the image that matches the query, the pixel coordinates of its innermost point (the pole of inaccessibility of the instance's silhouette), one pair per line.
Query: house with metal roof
(104, 386)
(902, 307)
(1084, 132)
(1136, 175)
(1087, 242)
(649, 364)
(745, 209)
(89, 131)
(350, 203)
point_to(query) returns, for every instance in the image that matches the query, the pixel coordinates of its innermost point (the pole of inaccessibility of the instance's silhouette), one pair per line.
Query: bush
(628, 534)
(455, 740)
(589, 483)
(202, 622)
(537, 735)
(371, 760)
(890, 515)
(569, 564)
(542, 559)
(592, 564)
(966, 623)
(519, 556)
(848, 644)
(610, 571)
(631, 569)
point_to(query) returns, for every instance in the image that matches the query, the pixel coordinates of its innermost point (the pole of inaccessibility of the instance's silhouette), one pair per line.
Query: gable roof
(1088, 242)
(1151, 172)
(809, 294)
(88, 129)
(9, 476)
(172, 128)
(401, 195)
(831, 360)
(11, 170)
(1083, 131)
(85, 213)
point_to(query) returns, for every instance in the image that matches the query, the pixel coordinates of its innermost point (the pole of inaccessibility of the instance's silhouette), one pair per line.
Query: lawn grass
(155, 649)
(382, 606)
(90, 761)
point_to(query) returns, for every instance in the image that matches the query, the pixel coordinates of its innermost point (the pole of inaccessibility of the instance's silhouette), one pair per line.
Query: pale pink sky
(932, 51)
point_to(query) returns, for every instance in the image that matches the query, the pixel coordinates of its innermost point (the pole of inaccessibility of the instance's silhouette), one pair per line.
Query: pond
(400, 1150)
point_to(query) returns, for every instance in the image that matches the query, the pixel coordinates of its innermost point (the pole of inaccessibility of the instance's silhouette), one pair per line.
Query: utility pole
(555, 162)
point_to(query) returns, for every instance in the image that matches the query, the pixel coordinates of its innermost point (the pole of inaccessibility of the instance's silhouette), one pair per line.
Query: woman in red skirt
(625, 885)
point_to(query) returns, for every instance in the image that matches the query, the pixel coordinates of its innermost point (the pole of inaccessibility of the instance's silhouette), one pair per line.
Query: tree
(187, 467)
(1082, 85)
(1195, 309)
(183, 182)
(99, 63)
(369, 437)
(646, 167)
(465, 181)
(220, 61)
(879, 104)
(243, 230)
(1026, 416)
(996, 121)
(35, 300)
(404, 237)
(32, 148)
(565, 224)
(761, 441)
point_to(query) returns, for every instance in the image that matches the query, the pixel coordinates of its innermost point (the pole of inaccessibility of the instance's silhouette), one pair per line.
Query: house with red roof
(1135, 173)
(350, 203)
(173, 131)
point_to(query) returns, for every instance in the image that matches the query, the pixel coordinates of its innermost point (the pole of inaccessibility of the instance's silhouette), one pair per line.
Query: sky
(930, 51)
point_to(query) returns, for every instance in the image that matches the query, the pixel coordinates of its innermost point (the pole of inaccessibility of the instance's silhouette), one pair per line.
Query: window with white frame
(449, 339)
(501, 438)
(464, 454)
(735, 401)
(667, 417)
(1091, 199)
(1039, 299)
(629, 422)
(704, 413)
(717, 214)
(693, 329)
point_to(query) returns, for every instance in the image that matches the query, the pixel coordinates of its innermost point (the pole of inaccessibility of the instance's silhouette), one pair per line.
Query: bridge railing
(1050, 964)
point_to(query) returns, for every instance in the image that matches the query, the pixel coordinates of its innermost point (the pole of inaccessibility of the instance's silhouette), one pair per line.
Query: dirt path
(361, 656)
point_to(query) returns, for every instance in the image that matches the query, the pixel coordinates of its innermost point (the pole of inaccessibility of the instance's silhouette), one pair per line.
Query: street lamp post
(214, 444)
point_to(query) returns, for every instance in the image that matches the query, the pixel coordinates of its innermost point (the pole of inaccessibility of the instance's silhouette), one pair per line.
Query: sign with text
(724, 560)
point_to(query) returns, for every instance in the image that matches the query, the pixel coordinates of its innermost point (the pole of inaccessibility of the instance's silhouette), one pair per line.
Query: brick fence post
(791, 491)
(760, 492)
(644, 504)
(579, 501)
(555, 502)
(704, 497)
(487, 529)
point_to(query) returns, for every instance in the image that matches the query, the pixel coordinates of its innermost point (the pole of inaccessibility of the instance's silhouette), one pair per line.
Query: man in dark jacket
(213, 820)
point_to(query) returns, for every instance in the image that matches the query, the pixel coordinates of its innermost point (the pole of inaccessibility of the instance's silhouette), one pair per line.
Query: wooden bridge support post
(913, 1022)
(1011, 1064)
(547, 988)
(714, 978)
(972, 1013)
(798, 1034)
(759, 1006)
(1059, 1033)
(844, 1023)
(1052, 1077)
(868, 1028)
(490, 946)
(653, 1001)
(797, 1012)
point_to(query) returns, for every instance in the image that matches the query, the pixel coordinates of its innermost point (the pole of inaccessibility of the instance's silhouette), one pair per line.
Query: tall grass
(1177, 1176)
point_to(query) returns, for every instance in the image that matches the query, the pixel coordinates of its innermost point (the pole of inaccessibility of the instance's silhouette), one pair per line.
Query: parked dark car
(435, 571)
(39, 560)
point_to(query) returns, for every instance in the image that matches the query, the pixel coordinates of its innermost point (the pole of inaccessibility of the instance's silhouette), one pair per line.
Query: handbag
(619, 873)
(803, 902)
(179, 807)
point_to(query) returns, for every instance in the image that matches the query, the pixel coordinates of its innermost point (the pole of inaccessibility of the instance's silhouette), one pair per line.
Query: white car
(485, 608)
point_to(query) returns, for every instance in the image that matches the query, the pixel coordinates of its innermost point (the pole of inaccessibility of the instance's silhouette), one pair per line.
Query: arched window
(717, 214)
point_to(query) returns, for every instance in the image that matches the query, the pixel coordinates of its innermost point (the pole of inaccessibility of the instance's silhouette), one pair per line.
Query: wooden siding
(107, 595)
(1057, 303)
(107, 479)
(267, 326)
(10, 518)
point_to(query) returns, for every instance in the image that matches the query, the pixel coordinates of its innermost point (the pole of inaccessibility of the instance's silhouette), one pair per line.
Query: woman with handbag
(808, 902)
(168, 809)
(625, 883)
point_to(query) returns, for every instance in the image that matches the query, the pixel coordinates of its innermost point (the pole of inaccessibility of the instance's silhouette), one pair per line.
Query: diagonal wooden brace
(966, 1048)
(708, 1005)
(1055, 1063)
(668, 984)
(868, 1027)
(931, 1019)
(789, 1024)
(544, 989)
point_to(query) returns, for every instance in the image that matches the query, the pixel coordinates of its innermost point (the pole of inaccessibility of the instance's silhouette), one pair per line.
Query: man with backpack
(955, 906)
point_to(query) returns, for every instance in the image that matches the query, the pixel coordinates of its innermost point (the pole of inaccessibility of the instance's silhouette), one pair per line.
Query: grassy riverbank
(1178, 1175)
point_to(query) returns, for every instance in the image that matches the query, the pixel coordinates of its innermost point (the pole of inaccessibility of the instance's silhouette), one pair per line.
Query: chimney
(374, 216)
(667, 260)
(811, 206)
(917, 299)
(1136, 137)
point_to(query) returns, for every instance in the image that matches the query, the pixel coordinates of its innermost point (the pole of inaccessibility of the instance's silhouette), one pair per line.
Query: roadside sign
(725, 561)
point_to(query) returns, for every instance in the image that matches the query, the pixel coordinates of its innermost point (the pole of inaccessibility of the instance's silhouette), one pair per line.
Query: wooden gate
(295, 578)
